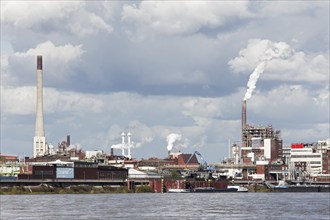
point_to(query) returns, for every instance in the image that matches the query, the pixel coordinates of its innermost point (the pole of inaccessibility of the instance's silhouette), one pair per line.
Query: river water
(167, 206)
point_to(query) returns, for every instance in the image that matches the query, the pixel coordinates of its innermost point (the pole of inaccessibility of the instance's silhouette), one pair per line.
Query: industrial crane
(203, 162)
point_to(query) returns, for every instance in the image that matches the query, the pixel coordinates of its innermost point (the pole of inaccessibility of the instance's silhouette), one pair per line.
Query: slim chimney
(123, 143)
(68, 140)
(39, 145)
(243, 123)
(244, 115)
(129, 145)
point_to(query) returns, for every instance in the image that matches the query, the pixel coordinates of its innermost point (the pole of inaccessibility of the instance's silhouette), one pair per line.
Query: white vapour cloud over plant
(281, 62)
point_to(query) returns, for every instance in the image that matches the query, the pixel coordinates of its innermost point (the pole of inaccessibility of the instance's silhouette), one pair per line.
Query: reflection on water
(167, 206)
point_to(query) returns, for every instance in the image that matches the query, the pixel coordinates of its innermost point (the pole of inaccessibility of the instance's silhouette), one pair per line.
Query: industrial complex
(260, 158)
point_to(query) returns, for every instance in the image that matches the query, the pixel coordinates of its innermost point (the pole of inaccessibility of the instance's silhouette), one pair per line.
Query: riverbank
(88, 189)
(77, 189)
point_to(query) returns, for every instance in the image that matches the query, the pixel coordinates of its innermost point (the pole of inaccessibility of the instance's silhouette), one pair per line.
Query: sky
(161, 69)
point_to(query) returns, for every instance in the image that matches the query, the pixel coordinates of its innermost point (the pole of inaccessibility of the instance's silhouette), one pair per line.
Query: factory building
(9, 166)
(75, 170)
(176, 160)
(309, 161)
(64, 152)
(259, 142)
(124, 146)
(326, 161)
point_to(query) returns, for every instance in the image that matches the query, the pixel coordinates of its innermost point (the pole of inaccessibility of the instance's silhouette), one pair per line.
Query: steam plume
(172, 139)
(273, 50)
(253, 79)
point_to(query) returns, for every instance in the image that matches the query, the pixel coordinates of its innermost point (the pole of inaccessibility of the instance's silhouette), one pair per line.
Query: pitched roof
(183, 159)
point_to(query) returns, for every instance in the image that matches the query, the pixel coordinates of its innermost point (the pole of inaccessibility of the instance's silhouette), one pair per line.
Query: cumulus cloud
(202, 110)
(144, 116)
(58, 62)
(5, 77)
(22, 101)
(60, 54)
(172, 78)
(18, 100)
(171, 18)
(71, 102)
(305, 132)
(273, 105)
(141, 133)
(323, 97)
(52, 16)
(282, 8)
(295, 66)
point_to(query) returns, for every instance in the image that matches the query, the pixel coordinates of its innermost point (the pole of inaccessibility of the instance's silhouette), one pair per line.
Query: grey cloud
(141, 70)
(52, 16)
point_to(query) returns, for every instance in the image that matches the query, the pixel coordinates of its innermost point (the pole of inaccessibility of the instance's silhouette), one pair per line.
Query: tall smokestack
(123, 143)
(243, 115)
(39, 146)
(68, 140)
(39, 130)
(129, 145)
(243, 122)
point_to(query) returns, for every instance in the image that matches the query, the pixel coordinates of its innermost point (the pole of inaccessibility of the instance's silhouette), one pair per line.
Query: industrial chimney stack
(244, 115)
(243, 123)
(129, 145)
(68, 141)
(123, 143)
(39, 141)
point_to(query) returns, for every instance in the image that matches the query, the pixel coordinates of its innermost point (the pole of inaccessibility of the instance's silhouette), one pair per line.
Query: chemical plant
(260, 158)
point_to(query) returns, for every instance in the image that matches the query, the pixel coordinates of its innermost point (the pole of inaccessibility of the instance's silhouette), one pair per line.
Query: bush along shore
(74, 189)
(44, 188)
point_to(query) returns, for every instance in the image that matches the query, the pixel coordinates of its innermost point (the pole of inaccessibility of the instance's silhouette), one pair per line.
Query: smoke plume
(172, 139)
(253, 79)
(272, 50)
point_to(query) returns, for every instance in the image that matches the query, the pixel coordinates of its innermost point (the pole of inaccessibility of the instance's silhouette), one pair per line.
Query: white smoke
(132, 144)
(117, 146)
(172, 139)
(253, 79)
(272, 50)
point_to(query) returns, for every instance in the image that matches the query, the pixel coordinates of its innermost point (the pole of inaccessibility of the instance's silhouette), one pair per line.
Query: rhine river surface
(167, 206)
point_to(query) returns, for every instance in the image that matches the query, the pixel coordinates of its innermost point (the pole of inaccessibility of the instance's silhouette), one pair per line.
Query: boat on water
(179, 190)
(302, 188)
(214, 190)
(239, 188)
(210, 190)
(282, 186)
